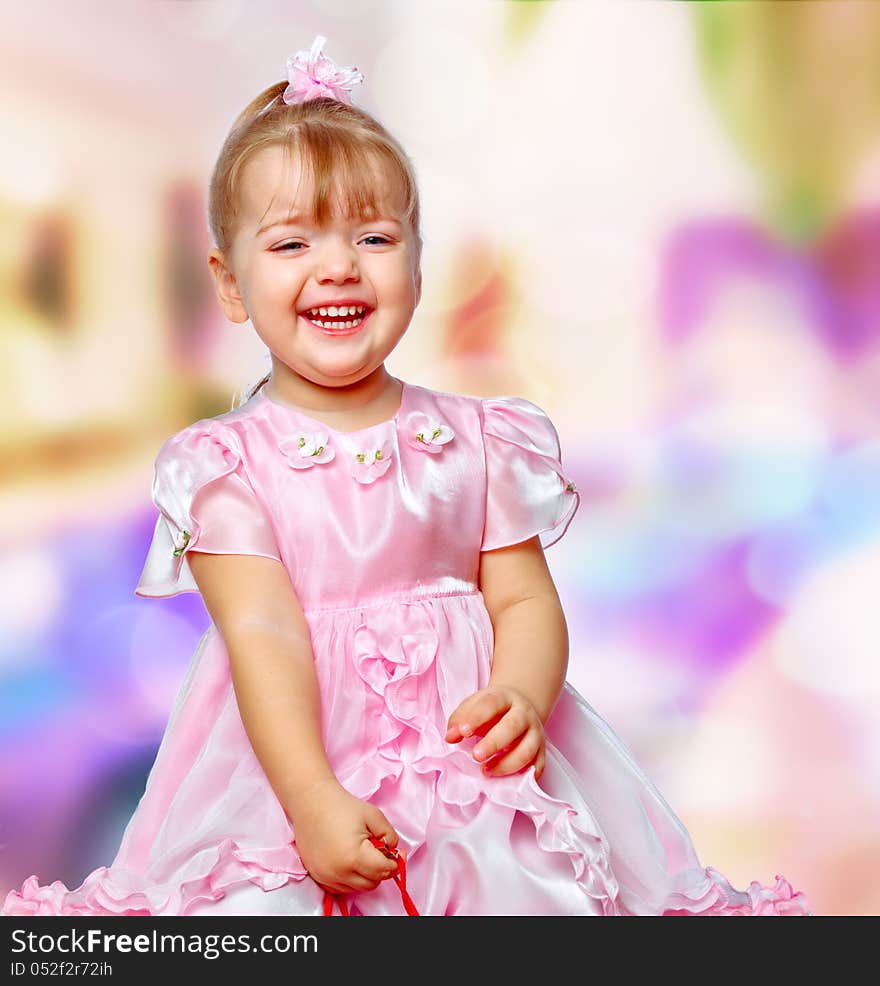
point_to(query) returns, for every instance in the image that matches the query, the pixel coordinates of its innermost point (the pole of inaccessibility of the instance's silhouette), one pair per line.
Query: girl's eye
(296, 243)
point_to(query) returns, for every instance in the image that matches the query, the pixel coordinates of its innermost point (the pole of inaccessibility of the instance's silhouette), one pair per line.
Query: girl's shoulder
(205, 448)
(225, 424)
(495, 406)
(424, 398)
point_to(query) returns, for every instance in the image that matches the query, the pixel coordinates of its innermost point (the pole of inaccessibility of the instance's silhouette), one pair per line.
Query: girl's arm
(254, 606)
(531, 635)
(529, 662)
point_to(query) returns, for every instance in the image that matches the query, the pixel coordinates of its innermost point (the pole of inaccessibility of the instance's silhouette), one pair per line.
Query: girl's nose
(337, 262)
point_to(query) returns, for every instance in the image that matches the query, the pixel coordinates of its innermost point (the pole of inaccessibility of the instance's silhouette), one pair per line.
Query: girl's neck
(362, 398)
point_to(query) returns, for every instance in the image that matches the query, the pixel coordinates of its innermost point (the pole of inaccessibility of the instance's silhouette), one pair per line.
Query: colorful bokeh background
(658, 221)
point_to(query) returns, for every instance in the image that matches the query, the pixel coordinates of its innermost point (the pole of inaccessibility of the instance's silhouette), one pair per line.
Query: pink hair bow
(311, 74)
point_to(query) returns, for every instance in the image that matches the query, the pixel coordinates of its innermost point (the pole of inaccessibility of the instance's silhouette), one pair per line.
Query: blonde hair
(340, 147)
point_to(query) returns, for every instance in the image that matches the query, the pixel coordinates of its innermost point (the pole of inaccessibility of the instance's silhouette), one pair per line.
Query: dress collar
(291, 414)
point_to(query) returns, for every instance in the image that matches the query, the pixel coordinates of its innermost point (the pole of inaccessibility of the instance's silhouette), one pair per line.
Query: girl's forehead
(278, 183)
(302, 212)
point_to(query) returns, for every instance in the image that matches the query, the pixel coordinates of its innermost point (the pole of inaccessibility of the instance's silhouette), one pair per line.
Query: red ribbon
(399, 878)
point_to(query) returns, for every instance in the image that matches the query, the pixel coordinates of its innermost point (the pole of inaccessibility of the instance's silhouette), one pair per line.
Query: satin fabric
(381, 531)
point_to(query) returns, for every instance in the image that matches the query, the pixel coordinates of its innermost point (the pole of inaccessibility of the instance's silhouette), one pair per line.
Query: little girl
(383, 681)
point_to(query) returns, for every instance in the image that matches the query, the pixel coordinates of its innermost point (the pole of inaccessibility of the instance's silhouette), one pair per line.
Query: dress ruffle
(713, 896)
(115, 891)
(397, 659)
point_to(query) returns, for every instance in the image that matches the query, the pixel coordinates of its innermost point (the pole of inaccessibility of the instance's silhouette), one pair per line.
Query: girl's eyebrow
(297, 217)
(286, 221)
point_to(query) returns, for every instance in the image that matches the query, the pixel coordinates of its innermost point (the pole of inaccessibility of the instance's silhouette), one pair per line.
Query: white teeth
(337, 325)
(336, 311)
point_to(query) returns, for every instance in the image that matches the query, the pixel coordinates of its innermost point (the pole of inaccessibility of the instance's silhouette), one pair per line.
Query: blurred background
(658, 221)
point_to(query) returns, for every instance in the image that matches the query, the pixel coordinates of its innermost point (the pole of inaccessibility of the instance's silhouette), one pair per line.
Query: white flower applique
(181, 540)
(372, 461)
(427, 434)
(307, 449)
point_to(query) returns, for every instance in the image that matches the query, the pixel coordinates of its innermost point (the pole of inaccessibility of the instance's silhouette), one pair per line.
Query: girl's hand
(511, 728)
(333, 830)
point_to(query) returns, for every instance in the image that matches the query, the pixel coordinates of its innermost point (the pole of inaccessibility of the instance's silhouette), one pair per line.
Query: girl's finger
(489, 708)
(461, 723)
(373, 864)
(475, 712)
(540, 760)
(358, 881)
(454, 732)
(488, 722)
(378, 824)
(335, 886)
(372, 879)
(377, 865)
(524, 753)
(502, 735)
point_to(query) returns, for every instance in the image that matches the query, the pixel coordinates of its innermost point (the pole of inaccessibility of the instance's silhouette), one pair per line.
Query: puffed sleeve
(206, 503)
(527, 490)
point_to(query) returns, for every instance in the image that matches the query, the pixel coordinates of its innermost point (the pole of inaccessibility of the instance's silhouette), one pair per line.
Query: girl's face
(276, 273)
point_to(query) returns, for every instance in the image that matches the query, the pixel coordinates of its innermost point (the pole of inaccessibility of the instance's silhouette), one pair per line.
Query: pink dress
(381, 531)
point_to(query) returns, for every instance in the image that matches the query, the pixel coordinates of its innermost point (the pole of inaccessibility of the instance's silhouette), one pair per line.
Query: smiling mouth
(337, 326)
(333, 320)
